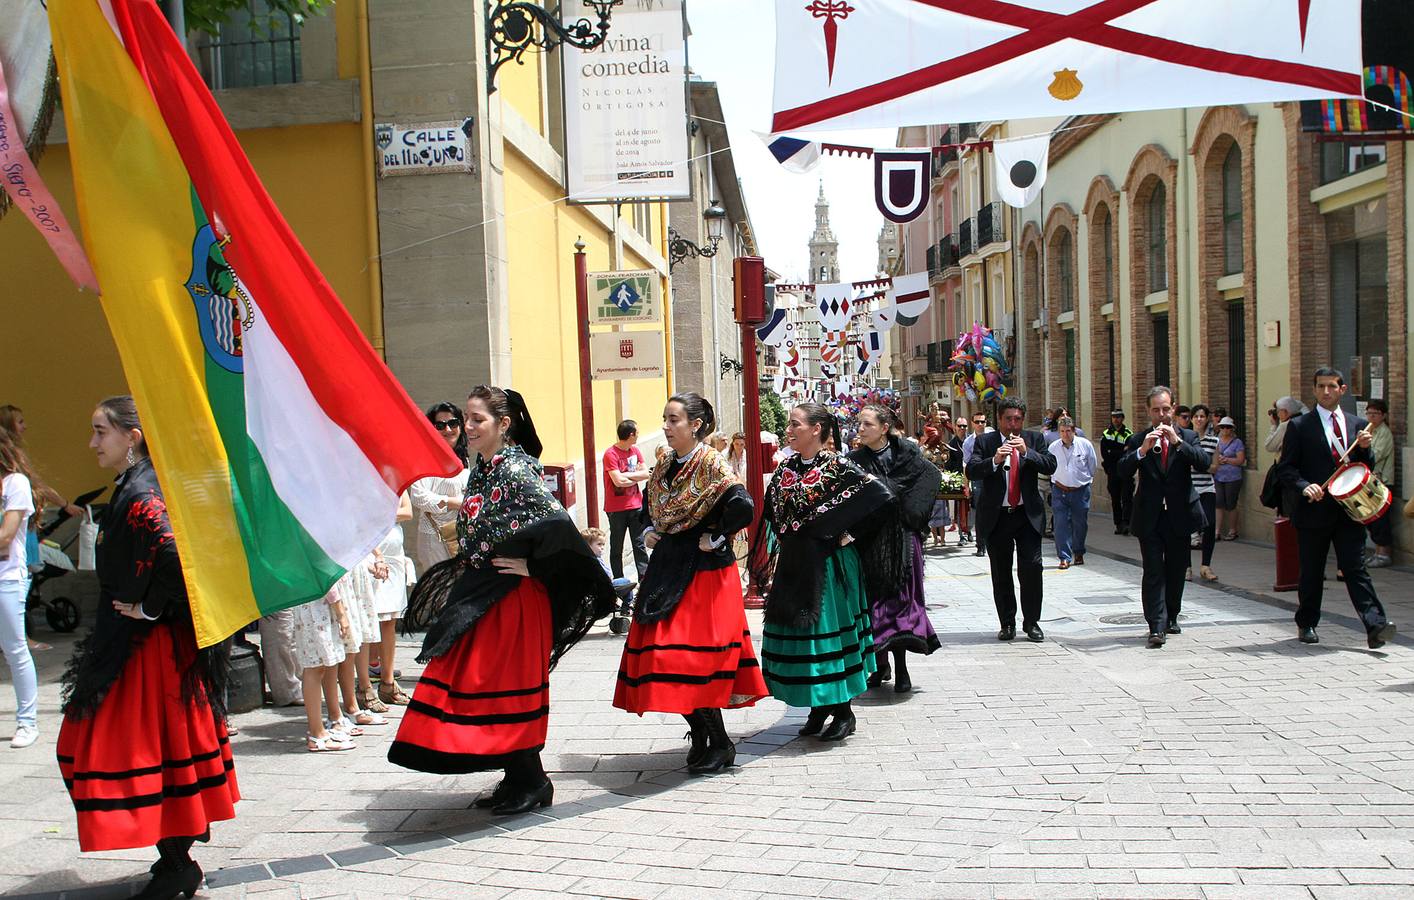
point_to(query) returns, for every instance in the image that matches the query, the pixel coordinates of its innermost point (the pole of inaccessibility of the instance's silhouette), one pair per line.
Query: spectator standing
(979, 428)
(624, 472)
(1207, 493)
(435, 500)
(1227, 477)
(18, 506)
(1121, 489)
(1286, 408)
(1382, 446)
(1070, 491)
(736, 456)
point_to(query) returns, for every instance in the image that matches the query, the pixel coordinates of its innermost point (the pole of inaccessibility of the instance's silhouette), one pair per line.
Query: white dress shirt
(1075, 465)
(1345, 429)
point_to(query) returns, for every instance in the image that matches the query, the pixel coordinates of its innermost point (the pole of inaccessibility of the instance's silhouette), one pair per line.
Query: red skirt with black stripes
(147, 765)
(699, 656)
(486, 699)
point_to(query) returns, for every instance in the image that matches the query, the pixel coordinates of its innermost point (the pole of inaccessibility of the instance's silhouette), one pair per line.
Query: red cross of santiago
(830, 10)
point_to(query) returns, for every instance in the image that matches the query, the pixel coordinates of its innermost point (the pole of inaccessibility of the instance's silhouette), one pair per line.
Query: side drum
(1363, 497)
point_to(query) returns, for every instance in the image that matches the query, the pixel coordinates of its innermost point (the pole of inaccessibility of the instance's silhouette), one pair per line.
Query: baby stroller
(61, 613)
(623, 614)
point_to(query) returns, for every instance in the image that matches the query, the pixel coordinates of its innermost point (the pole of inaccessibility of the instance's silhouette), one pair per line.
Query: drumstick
(1343, 457)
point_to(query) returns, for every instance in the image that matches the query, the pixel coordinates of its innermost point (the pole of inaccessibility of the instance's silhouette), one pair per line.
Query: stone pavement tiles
(1235, 762)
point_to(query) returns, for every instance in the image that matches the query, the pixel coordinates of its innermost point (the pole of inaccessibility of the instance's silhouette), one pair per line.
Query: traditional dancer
(899, 618)
(689, 648)
(143, 748)
(522, 590)
(816, 645)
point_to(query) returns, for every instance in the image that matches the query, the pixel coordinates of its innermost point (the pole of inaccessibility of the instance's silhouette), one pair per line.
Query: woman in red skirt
(689, 648)
(143, 747)
(523, 588)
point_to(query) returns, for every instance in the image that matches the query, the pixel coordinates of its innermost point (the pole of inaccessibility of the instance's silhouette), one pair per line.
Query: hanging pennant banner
(883, 317)
(834, 301)
(1021, 169)
(910, 295)
(901, 183)
(776, 329)
(895, 63)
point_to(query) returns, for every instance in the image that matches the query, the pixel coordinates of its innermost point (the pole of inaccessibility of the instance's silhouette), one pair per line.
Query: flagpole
(586, 388)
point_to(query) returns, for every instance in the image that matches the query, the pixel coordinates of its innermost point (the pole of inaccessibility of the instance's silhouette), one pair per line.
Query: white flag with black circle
(901, 183)
(1021, 169)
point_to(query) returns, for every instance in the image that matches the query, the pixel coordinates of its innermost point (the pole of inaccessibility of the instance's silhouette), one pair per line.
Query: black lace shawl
(888, 558)
(509, 512)
(137, 563)
(809, 506)
(677, 558)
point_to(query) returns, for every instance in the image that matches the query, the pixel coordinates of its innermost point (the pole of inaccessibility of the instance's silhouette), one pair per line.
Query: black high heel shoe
(523, 801)
(843, 725)
(169, 882)
(815, 721)
(496, 797)
(721, 752)
(698, 736)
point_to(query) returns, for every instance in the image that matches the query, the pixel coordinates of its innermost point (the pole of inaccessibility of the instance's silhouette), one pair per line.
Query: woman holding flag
(143, 747)
(522, 590)
(689, 649)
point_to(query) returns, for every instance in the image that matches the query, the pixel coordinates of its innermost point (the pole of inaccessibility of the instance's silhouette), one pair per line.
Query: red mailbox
(559, 480)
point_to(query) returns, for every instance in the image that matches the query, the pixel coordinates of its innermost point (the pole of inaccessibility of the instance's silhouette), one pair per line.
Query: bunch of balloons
(978, 366)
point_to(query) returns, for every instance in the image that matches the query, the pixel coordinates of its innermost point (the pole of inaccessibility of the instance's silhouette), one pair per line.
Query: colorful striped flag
(280, 439)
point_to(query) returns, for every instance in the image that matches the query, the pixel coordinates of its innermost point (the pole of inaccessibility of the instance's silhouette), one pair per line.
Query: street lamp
(680, 248)
(515, 26)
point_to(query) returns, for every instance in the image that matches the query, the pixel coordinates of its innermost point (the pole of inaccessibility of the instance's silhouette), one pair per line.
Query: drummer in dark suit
(1005, 464)
(1166, 511)
(1310, 454)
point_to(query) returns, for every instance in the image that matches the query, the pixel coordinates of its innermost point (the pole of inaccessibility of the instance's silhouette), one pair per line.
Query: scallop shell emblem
(1066, 86)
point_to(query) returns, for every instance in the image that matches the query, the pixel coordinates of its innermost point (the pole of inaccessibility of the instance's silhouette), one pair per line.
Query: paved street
(1234, 763)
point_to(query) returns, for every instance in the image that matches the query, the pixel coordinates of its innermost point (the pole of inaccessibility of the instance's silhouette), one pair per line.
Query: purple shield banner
(901, 183)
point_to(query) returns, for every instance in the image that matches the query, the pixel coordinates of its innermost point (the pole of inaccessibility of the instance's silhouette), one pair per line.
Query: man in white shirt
(979, 428)
(1070, 492)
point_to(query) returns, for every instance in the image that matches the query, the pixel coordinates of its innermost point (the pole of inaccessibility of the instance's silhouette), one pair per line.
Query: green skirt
(829, 662)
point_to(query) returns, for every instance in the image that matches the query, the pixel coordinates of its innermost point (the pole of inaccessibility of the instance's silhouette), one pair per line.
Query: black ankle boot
(843, 725)
(527, 786)
(902, 684)
(815, 721)
(171, 880)
(698, 735)
(721, 752)
(882, 673)
(496, 797)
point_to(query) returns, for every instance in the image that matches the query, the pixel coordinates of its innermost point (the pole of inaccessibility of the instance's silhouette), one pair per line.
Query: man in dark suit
(1166, 509)
(1010, 512)
(1310, 454)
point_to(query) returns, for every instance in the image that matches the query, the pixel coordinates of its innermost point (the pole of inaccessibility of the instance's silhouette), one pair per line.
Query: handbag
(88, 541)
(447, 532)
(1271, 489)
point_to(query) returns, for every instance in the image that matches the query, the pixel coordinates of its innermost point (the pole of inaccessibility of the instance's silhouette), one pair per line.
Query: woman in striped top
(1203, 484)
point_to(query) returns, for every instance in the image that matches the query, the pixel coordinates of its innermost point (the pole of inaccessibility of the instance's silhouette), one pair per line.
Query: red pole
(751, 382)
(586, 390)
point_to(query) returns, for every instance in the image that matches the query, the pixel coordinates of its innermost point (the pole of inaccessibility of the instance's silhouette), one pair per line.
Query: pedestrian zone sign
(621, 297)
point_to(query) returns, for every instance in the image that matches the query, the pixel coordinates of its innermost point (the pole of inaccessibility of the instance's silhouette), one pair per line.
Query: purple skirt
(901, 623)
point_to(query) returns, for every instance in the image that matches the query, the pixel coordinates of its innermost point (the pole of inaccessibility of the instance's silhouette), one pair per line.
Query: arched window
(1033, 276)
(1105, 233)
(1065, 269)
(1232, 211)
(1158, 239)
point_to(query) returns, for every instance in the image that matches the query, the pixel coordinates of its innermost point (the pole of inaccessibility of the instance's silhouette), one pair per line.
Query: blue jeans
(12, 639)
(1072, 520)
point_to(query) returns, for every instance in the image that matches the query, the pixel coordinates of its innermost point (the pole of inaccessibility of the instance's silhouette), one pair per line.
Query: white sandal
(368, 717)
(327, 744)
(344, 726)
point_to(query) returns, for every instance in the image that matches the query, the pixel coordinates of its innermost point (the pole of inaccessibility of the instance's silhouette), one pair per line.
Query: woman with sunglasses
(435, 499)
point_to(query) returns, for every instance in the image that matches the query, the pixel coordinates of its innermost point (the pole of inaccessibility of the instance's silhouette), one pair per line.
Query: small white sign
(617, 298)
(621, 355)
(423, 149)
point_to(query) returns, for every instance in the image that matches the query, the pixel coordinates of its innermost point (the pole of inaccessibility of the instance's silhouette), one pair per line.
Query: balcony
(941, 160)
(991, 225)
(933, 270)
(948, 255)
(965, 246)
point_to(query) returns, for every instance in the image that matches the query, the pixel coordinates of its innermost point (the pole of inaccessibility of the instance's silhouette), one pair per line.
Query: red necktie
(1164, 453)
(1013, 488)
(1339, 438)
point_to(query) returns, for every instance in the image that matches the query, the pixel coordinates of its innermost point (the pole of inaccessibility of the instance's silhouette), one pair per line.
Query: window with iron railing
(255, 48)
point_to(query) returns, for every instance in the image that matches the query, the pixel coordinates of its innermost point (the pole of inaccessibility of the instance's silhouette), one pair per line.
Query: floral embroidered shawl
(692, 493)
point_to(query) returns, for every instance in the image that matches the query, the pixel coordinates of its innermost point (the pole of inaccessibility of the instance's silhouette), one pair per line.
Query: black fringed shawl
(809, 505)
(700, 496)
(137, 563)
(914, 480)
(507, 511)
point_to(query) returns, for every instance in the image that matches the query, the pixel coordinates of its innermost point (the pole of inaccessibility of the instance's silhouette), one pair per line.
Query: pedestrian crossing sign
(617, 298)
